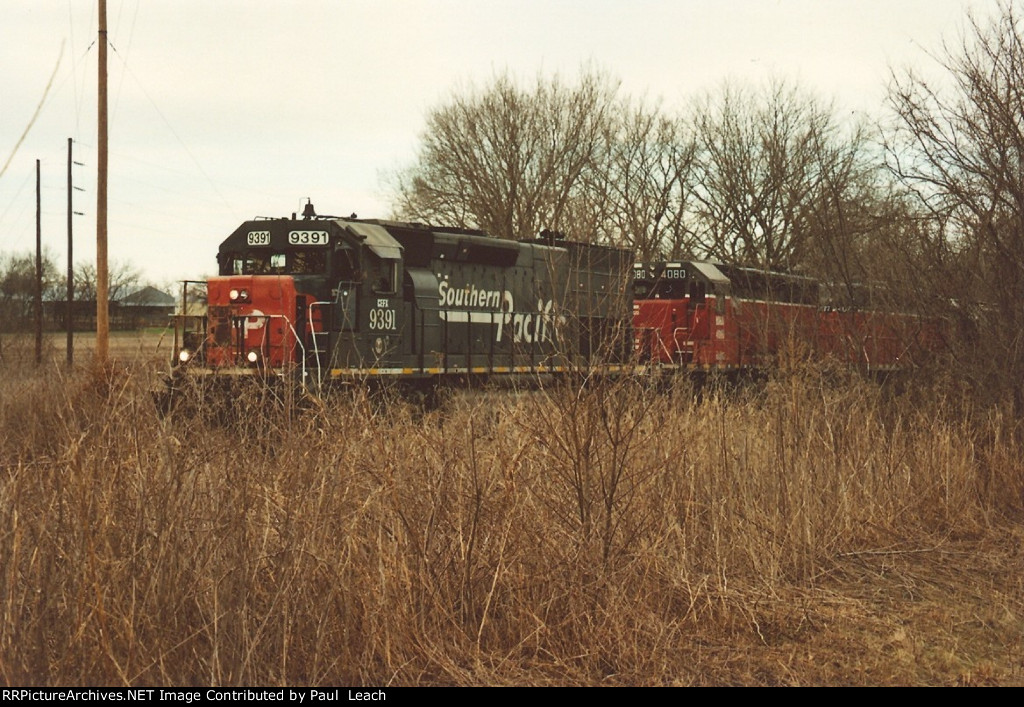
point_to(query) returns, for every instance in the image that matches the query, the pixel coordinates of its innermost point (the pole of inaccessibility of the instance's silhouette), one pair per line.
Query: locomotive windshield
(292, 262)
(670, 283)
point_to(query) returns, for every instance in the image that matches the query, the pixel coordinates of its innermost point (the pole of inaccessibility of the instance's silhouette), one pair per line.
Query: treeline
(929, 201)
(769, 177)
(18, 290)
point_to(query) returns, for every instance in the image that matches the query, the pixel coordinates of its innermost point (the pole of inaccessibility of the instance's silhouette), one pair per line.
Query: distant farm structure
(145, 308)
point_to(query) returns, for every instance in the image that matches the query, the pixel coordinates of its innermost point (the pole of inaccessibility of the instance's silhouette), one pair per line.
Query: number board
(308, 238)
(382, 319)
(258, 238)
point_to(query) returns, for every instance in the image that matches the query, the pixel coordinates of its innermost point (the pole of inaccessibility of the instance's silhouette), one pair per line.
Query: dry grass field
(813, 530)
(146, 347)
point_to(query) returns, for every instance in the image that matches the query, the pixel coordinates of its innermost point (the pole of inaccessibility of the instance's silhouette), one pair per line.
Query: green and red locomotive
(329, 299)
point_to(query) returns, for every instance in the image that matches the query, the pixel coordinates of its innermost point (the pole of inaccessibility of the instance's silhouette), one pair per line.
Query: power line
(128, 50)
(170, 127)
(35, 115)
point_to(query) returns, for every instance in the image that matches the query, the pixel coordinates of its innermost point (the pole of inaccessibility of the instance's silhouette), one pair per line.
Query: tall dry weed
(607, 533)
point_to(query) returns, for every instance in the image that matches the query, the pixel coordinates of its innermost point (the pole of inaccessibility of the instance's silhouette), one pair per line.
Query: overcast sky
(223, 110)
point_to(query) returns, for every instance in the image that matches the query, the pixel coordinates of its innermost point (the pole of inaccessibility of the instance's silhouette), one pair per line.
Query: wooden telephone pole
(102, 275)
(70, 311)
(39, 271)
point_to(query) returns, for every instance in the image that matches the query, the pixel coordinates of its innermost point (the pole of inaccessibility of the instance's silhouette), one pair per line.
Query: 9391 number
(257, 238)
(382, 319)
(308, 238)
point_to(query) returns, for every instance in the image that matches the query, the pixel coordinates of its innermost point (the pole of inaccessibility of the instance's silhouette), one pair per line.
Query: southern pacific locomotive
(327, 299)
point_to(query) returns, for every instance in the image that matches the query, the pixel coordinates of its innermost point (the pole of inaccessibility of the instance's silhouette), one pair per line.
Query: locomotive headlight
(233, 295)
(244, 295)
(252, 357)
(184, 355)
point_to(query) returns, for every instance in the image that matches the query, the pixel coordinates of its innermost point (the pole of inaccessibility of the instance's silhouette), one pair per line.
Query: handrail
(688, 341)
(314, 333)
(182, 318)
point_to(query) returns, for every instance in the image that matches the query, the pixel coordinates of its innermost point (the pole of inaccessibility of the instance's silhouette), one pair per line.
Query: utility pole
(69, 312)
(39, 272)
(102, 275)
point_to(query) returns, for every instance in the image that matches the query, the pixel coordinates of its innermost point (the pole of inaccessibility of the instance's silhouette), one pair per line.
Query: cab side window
(697, 292)
(386, 280)
(345, 266)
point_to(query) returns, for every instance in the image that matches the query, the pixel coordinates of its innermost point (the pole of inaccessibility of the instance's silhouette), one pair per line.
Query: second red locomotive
(711, 316)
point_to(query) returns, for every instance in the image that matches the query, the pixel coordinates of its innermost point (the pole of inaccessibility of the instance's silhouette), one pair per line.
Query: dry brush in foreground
(802, 533)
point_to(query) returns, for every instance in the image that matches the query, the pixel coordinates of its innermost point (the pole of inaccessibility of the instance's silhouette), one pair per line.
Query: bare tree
(765, 165)
(771, 180)
(123, 280)
(855, 215)
(507, 160)
(647, 183)
(958, 146)
(575, 159)
(18, 288)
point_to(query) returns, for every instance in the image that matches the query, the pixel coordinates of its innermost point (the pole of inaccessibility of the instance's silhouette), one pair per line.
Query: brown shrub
(609, 533)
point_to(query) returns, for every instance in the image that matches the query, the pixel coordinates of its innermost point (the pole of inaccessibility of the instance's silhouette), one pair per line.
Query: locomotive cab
(365, 303)
(298, 296)
(679, 313)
